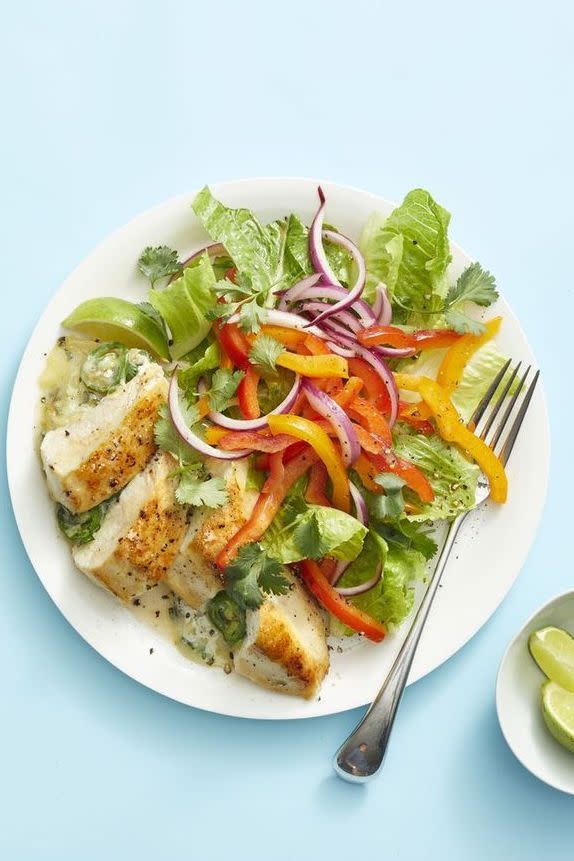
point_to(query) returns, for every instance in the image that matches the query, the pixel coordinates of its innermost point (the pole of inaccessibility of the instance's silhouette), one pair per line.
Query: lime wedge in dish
(113, 319)
(553, 650)
(558, 713)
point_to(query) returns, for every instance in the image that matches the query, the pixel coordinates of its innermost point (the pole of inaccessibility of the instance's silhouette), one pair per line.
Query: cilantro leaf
(252, 316)
(168, 439)
(265, 352)
(194, 489)
(392, 504)
(459, 321)
(253, 572)
(224, 384)
(474, 285)
(158, 262)
(410, 535)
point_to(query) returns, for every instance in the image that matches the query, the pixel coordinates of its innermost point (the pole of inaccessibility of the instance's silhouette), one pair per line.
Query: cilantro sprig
(224, 384)
(265, 352)
(158, 262)
(474, 285)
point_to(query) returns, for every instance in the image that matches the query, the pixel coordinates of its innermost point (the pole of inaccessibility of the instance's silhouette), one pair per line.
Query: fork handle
(361, 756)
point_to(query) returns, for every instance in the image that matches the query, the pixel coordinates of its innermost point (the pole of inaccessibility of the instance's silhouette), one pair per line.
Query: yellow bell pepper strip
(452, 429)
(315, 366)
(310, 432)
(458, 356)
(287, 337)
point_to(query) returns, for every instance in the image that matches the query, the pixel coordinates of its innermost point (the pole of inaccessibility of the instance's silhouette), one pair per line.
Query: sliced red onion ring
(289, 320)
(395, 352)
(332, 291)
(294, 291)
(381, 306)
(344, 352)
(336, 333)
(337, 417)
(316, 249)
(354, 293)
(344, 317)
(187, 435)
(216, 249)
(253, 424)
(350, 591)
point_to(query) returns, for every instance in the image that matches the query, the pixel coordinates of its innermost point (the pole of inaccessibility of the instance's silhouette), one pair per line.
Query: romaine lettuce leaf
(453, 478)
(297, 259)
(409, 252)
(256, 250)
(478, 375)
(391, 600)
(184, 305)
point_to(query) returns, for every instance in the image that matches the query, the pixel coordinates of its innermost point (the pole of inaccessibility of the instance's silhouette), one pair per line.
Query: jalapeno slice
(104, 368)
(228, 616)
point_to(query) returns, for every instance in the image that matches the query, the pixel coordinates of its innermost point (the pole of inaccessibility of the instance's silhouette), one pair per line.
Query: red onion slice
(344, 352)
(300, 287)
(253, 424)
(216, 249)
(317, 253)
(187, 435)
(354, 293)
(381, 306)
(344, 317)
(350, 591)
(288, 320)
(338, 419)
(331, 291)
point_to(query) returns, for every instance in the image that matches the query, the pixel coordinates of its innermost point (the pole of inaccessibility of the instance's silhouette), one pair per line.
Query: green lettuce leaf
(297, 259)
(256, 250)
(452, 477)
(304, 531)
(185, 305)
(478, 375)
(391, 600)
(209, 361)
(409, 252)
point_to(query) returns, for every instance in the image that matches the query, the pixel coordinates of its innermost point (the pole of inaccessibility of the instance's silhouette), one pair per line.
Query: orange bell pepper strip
(254, 440)
(416, 415)
(351, 389)
(453, 365)
(269, 501)
(310, 432)
(370, 418)
(317, 367)
(452, 429)
(315, 493)
(376, 389)
(287, 337)
(392, 336)
(247, 394)
(316, 346)
(367, 472)
(330, 599)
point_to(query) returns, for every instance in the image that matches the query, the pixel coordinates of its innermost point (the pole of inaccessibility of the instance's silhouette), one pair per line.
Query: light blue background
(111, 107)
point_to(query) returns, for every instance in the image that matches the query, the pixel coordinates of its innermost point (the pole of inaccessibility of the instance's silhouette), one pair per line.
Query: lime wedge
(112, 319)
(558, 713)
(553, 651)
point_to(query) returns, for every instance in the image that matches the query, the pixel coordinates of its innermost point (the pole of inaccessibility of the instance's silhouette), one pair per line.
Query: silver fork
(361, 756)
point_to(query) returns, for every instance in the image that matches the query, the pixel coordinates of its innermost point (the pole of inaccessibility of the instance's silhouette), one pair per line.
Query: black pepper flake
(136, 602)
(164, 597)
(157, 614)
(151, 651)
(66, 433)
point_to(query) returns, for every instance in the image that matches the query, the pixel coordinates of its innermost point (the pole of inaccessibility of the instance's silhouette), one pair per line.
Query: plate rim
(145, 214)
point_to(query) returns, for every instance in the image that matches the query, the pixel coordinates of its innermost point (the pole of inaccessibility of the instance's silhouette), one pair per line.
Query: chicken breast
(285, 648)
(140, 536)
(96, 456)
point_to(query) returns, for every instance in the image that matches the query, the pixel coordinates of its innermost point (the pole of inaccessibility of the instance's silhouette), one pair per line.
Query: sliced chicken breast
(141, 533)
(285, 648)
(93, 458)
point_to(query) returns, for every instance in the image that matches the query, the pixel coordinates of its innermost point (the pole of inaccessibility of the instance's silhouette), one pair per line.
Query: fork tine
(487, 397)
(513, 432)
(498, 404)
(506, 415)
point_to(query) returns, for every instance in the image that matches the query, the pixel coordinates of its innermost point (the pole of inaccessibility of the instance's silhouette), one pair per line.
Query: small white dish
(518, 700)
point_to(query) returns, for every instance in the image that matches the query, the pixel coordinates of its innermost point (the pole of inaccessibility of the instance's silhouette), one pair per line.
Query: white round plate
(489, 555)
(518, 700)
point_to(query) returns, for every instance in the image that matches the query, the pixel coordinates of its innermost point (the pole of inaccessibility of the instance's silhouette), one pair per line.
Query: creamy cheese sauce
(64, 399)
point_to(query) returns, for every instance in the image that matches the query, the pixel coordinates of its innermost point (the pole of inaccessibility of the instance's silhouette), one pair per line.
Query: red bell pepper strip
(254, 440)
(376, 389)
(329, 598)
(247, 394)
(392, 336)
(235, 345)
(269, 501)
(316, 486)
(387, 461)
(370, 418)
